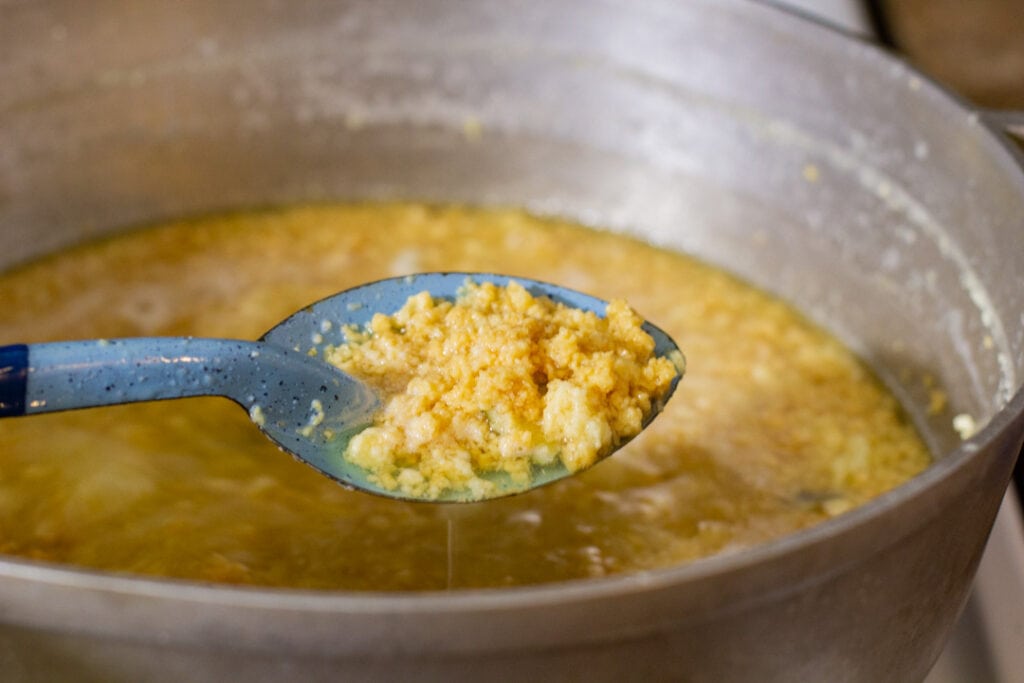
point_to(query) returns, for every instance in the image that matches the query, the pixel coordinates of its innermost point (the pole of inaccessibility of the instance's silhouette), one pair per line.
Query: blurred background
(975, 47)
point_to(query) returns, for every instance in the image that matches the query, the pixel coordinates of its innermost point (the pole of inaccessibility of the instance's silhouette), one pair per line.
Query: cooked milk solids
(498, 382)
(775, 427)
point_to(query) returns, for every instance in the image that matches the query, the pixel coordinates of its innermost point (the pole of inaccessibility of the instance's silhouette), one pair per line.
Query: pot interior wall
(802, 161)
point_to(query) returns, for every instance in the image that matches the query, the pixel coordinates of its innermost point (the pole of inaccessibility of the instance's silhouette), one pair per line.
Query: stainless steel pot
(810, 163)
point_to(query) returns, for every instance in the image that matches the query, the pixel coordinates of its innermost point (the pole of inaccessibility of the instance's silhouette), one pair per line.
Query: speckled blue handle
(306, 406)
(44, 378)
(84, 374)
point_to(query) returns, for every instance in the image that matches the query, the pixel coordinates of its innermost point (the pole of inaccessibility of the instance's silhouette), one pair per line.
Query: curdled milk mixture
(775, 427)
(498, 382)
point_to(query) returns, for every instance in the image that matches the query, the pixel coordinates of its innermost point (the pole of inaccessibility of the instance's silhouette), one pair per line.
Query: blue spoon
(307, 407)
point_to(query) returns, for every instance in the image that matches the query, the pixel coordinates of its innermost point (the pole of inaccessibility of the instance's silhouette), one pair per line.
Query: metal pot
(810, 163)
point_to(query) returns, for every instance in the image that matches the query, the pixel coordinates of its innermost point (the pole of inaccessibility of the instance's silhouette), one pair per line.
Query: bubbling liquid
(775, 427)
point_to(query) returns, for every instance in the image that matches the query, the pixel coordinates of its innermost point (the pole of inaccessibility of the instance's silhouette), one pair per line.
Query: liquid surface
(775, 426)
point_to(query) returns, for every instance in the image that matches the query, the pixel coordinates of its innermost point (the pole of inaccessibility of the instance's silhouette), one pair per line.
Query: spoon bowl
(306, 406)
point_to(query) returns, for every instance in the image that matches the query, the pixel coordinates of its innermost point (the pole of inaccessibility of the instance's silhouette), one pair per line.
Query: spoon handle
(42, 378)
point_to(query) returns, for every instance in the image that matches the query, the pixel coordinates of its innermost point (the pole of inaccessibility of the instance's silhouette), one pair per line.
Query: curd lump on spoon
(498, 381)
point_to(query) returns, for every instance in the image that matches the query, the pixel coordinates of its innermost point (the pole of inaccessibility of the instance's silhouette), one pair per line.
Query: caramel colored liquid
(775, 426)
